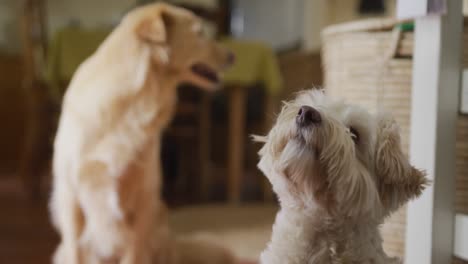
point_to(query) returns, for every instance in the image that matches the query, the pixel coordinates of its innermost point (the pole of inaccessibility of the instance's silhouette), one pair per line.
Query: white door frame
(435, 97)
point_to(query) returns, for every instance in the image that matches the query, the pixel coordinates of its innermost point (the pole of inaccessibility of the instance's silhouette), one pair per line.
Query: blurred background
(211, 182)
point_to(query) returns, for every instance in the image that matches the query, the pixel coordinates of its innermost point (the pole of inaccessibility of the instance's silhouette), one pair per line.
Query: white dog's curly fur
(338, 171)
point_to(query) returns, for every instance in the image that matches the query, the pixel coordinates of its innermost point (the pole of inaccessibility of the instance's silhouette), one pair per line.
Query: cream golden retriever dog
(106, 201)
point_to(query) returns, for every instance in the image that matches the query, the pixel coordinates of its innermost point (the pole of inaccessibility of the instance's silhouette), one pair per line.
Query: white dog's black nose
(308, 115)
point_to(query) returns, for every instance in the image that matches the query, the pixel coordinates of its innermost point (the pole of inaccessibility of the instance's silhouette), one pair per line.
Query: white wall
(316, 15)
(276, 22)
(89, 13)
(320, 13)
(315, 19)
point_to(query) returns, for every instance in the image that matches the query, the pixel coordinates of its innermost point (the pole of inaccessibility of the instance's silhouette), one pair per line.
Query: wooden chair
(37, 148)
(191, 126)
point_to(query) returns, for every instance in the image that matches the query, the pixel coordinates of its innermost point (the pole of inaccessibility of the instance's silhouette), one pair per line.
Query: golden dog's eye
(354, 134)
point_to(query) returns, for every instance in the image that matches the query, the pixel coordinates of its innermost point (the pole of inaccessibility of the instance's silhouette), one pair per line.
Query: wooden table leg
(236, 142)
(36, 150)
(205, 147)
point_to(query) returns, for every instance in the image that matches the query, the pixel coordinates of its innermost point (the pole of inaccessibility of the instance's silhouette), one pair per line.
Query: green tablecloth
(255, 62)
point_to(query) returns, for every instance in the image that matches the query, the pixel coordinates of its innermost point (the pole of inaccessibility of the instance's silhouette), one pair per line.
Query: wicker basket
(369, 62)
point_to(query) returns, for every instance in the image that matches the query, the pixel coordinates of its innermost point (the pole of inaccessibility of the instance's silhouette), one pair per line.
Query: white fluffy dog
(338, 172)
(106, 201)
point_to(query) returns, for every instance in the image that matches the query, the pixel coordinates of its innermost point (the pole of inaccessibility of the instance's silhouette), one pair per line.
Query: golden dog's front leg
(120, 212)
(68, 220)
(146, 220)
(68, 250)
(105, 233)
(139, 246)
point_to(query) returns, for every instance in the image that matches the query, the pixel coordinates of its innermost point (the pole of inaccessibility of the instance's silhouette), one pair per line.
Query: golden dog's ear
(154, 29)
(398, 181)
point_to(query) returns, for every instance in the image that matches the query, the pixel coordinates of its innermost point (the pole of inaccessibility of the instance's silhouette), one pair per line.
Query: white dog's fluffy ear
(398, 180)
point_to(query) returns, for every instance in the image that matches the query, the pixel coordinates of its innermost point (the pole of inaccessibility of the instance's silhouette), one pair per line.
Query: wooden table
(255, 62)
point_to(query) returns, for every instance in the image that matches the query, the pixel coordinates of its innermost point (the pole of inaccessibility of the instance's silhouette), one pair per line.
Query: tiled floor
(27, 237)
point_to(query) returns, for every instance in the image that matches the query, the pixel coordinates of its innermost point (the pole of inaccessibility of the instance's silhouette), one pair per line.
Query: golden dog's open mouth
(205, 72)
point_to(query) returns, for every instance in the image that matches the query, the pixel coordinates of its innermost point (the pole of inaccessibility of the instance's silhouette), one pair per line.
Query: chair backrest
(34, 37)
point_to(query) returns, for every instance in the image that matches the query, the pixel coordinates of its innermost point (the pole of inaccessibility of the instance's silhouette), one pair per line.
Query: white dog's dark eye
(354, 134)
